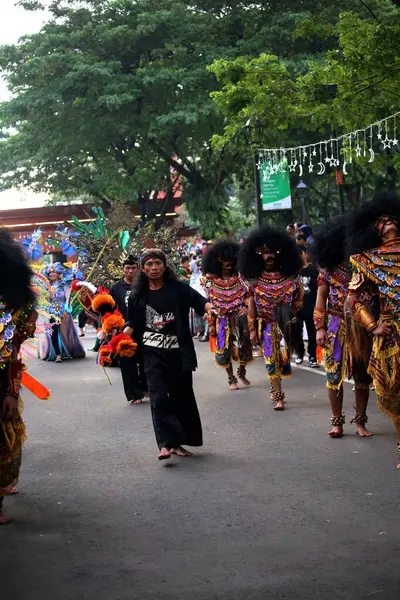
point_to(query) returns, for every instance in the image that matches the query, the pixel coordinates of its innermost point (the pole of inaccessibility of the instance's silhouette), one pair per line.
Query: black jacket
(186, 298)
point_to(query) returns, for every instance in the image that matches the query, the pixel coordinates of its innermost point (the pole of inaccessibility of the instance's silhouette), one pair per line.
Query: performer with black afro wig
(374, 234)
(18, 317)
(227, 294)
(270, 263)
(329, 253)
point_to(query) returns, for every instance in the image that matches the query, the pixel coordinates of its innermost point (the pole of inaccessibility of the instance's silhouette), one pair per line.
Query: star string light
(337, 151)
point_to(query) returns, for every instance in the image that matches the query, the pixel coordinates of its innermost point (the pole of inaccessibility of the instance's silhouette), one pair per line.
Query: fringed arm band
(361, 315)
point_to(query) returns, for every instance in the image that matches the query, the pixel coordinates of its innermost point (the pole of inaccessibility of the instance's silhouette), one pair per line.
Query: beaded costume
(378, 271)
(15, 327)
(270, 264)
(270, 291)
(336, 356)
(232, 336)
(17, 324)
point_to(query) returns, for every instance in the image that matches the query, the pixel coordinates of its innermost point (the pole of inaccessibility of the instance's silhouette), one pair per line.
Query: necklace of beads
(227, 295)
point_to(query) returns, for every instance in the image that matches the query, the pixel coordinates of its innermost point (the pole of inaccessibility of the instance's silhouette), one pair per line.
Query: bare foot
(4, 519)
(58, 359)
(139, 401)
(181, 451)
(164, 454)
(279, 405)
(146, 395)
(245, 381)
(233, 386)
(11, 491)
(336, 431)
(363, 431)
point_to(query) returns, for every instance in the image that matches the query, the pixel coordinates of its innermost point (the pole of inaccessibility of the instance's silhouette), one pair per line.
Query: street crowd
(257, 296)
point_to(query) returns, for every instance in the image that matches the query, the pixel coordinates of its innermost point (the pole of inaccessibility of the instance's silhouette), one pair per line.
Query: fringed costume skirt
(232, 341)
(338, 363)
(12, 438)
(276, 355)
(384, 368)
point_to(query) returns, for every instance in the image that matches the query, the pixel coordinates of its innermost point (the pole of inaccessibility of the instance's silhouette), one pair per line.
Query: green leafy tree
(296, 109)
(113, 97)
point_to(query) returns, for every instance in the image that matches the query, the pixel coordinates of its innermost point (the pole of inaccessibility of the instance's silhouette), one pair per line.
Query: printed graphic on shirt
(127, 294)
(157, 322)
(306, 284)
(159, 340)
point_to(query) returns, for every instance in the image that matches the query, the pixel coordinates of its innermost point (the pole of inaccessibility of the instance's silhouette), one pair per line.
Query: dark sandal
(164, 456)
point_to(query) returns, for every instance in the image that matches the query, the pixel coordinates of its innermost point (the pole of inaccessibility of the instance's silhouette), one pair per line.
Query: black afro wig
(361, 233)
(15, 274)
(288, 261)
(224, 249)
(328, 248)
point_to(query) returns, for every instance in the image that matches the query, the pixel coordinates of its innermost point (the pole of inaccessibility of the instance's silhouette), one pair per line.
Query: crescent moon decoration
(322, 168)
(344, 168)
(372, 155)
(300, 170)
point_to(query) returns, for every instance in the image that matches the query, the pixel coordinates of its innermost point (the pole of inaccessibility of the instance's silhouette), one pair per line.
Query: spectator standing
(309, 280)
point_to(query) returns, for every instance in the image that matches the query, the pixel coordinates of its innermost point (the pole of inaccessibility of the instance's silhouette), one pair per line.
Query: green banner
(275, 188)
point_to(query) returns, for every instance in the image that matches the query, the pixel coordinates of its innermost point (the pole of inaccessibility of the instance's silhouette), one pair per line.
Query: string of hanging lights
(337, 152)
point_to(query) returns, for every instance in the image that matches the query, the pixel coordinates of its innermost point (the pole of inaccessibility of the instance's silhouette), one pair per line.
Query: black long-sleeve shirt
(184, 298)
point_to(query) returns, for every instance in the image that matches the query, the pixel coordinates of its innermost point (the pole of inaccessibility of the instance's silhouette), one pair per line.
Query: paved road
(270, 508)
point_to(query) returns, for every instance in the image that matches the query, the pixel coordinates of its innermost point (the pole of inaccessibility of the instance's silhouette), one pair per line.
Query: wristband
(251, 322)
(319, 318)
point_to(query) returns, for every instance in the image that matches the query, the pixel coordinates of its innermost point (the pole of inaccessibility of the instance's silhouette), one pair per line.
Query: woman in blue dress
(61, 341)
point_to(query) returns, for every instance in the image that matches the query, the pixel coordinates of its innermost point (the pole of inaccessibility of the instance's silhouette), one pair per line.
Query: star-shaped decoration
(310, 168)
(314, 152)
(327, 159)
(358, 151)
(379, 136)
(305, 154)
(292, 167)
(296, 163)
(386, 143)
(395, 142)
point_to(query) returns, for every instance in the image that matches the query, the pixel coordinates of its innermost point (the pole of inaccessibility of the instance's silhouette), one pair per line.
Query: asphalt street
(269, 508)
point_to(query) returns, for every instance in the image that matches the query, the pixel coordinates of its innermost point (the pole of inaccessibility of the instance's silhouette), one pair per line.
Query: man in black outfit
(132, 371)
(309, 278)
(158, 319)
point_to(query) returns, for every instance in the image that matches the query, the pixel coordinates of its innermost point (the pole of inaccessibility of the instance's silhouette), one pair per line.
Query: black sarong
(176, 418)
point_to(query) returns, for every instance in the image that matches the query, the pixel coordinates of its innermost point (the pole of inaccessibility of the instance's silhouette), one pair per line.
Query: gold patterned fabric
(228, 296)
(12, 438)
(381, 268)
(15, 327)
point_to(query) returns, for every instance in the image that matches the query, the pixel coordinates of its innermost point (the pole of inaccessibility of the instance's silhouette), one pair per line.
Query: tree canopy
(119, 98)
